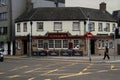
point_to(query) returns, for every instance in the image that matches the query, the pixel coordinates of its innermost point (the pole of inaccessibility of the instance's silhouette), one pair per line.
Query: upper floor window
(3, 30)
(107, 29)
(3, 2)
(76, 26)
(18, 27)
(100, 27)
(58, 26)
(39, 26)
(113, 28)
(91, 26)
(25, 27)
(3, 16)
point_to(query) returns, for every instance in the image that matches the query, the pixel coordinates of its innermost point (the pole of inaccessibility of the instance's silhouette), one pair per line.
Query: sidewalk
(68, 58)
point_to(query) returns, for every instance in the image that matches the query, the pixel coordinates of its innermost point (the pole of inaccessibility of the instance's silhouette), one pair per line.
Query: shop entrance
(25, 47)
(92, 45)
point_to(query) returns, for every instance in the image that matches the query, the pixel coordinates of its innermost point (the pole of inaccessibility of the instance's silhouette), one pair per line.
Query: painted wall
(66, 27)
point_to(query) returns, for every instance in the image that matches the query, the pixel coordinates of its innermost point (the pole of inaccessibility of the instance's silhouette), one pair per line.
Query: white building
(59, 29)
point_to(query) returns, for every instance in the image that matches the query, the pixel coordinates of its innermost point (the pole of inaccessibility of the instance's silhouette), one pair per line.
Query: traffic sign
(89, 35)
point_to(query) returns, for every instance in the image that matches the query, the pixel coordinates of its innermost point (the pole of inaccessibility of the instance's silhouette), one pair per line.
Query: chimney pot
(103, 6)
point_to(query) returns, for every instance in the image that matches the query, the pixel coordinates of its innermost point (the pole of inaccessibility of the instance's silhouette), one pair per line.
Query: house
(9, 11)
(60, 30)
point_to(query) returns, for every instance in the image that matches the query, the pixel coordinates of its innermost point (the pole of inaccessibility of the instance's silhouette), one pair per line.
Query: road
(57, 69)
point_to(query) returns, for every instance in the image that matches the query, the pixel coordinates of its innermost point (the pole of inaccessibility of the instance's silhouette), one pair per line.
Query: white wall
(66, 27)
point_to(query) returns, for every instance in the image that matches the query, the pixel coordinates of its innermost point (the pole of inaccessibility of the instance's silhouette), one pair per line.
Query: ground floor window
(40, 43)
(65, 43)
(76, 43)
(57, 43)
(18, 46)
(1, 45)
(103, 43)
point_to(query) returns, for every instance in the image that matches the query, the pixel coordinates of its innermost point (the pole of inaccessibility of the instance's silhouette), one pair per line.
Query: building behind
(9, 11)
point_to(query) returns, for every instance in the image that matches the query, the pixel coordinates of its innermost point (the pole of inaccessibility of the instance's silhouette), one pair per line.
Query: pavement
(68, 58)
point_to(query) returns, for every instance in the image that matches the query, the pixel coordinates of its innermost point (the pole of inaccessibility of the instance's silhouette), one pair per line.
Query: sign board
(89, 35)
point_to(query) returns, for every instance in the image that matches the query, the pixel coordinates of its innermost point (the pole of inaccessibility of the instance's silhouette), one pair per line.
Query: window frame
(57, 26)
(24, 27)
(40, 26)
(76, 26)
(18, 27)
(100, 27)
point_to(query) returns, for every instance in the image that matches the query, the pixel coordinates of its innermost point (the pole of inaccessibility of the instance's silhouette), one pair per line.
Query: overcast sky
(112, 5)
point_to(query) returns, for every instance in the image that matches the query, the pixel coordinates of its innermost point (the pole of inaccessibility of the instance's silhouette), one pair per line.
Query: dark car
(1, 57)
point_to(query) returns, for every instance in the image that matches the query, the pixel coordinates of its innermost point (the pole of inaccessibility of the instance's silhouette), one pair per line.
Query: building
(9, 11)
(116, 15)
(48, 3)
(58, 30)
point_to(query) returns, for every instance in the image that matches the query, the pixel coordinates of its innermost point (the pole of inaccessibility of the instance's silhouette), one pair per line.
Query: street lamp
(116, 33)
(31, 23)
(89, 51)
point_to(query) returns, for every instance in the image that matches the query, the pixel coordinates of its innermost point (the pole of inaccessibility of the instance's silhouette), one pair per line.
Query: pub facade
(62, 31)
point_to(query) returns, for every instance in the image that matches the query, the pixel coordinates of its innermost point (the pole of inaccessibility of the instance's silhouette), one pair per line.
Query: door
(25, 47)
(92, 44)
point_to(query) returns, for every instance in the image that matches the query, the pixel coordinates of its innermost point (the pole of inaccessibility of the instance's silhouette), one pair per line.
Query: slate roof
(65, 13)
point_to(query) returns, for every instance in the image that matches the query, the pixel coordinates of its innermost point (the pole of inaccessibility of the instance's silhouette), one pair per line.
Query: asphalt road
(57, 69)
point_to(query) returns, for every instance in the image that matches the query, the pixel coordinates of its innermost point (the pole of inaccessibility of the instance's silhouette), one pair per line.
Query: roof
(65, 13)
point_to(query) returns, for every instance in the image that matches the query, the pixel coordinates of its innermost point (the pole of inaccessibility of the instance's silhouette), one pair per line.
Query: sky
(112, 5)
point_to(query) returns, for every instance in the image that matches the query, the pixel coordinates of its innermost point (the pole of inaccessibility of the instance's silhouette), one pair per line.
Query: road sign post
(89, 36)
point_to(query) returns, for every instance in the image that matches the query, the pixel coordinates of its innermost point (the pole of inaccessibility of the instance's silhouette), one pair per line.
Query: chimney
(29, 5)
(103, 6)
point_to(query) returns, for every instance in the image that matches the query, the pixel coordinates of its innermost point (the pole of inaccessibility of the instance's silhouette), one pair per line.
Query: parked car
(1, 57)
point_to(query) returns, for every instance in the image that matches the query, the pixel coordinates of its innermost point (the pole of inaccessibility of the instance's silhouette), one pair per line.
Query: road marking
(32, 70)
(2, 72)
(50, 71)
(17, 68)
(103, 71)
(14, 76)
(47, 79)
(31, 78)
(80, 73)
(77, 74)
(112, 67)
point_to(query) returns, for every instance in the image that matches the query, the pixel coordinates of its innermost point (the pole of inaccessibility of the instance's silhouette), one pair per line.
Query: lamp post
(116, 32)
(89, 51)
(31, 23)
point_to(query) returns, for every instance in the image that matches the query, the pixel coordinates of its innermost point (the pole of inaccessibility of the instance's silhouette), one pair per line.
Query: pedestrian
(106, 53)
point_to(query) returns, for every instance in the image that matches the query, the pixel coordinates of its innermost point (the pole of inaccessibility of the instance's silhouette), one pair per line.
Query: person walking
(106, 53)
